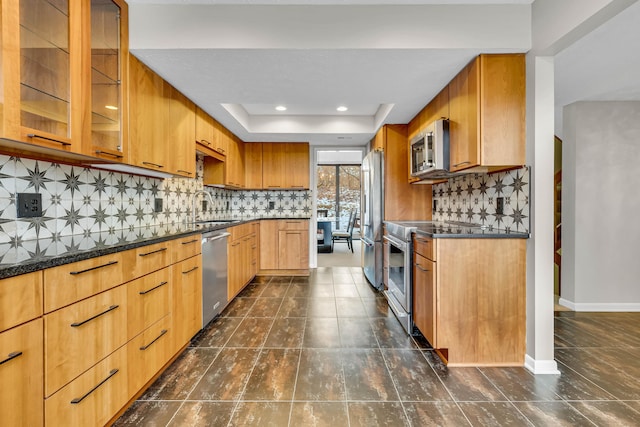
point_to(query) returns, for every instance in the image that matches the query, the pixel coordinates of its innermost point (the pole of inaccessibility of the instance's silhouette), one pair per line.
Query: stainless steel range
(397, 271)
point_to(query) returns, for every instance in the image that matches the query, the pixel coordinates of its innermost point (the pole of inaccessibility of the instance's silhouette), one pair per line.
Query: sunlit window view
(338, 192)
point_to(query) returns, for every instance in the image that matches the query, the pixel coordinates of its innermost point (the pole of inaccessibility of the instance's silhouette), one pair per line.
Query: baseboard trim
(541, 367)
(617, 307)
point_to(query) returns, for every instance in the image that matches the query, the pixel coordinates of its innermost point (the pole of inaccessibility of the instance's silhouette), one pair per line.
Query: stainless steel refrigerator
(371, 217)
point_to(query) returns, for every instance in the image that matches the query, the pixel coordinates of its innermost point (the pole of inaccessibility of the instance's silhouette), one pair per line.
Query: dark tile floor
(326, 351)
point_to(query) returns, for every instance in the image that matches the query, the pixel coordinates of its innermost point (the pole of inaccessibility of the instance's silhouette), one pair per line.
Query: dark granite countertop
(26, 256)
(459, 230)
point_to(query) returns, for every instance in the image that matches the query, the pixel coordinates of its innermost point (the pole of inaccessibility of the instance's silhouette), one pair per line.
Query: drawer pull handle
(93, 268)
(153, 289)
(117, 156)
(11, 356)
(154, 252)
(33, 135)
(76, 324)
(420, 267)
(80, 399)
(189, 271)
(190, 241)
(184, 171)
(144, 347)
(206, 142)
(152, 164)
(466, 162)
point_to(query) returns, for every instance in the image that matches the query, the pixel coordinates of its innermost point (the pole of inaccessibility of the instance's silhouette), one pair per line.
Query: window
(338, 192)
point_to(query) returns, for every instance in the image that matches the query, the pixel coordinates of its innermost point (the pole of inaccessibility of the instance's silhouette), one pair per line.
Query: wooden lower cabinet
(21, 382)
(470, 300)
(284, 247)
(187, 299)
(78, 336)
(424, 297)
(293, 249)
(149, 299)
(20, 299)
(94, 397)
(149, 351)
(242, 257)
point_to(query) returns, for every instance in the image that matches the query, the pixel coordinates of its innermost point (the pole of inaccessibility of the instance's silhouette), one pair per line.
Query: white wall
(600, 204)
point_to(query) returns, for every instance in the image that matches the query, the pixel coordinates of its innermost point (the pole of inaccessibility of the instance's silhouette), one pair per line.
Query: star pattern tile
(471, 198)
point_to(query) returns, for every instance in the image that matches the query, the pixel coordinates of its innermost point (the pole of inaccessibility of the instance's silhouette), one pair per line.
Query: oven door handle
(396, 242)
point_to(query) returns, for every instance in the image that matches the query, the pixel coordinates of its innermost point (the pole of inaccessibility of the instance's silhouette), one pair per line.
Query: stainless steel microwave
(430, 150)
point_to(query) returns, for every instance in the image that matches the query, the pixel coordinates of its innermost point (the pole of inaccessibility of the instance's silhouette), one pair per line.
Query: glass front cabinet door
(37, 56)
(109, 48)
(61, 74)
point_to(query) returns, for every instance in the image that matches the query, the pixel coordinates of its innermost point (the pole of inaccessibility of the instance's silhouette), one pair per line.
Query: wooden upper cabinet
(274, 165)
(64, 76)
(221, 138)
(204, 128)
(402, 201)
(39, 57)
(464, 118)
(487, 113)
(235, 161)
(108, 108)
(253, 165)
(377, 143)
(180, 143)
(147, 131)
(298, 164)
(285, 165)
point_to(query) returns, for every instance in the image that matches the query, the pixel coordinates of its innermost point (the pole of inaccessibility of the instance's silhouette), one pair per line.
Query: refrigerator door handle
(366, 242)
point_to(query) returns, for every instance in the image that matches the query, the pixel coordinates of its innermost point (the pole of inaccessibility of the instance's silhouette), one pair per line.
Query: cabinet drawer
(69, 283)
(20, 299)
(148, 300)
(78, 336)
(425, 246)
(239, 231)
(94, 397)
(21, 375)
(148, 352)
(290, 224)
(151, 258)
(187, 299)
(186, 247)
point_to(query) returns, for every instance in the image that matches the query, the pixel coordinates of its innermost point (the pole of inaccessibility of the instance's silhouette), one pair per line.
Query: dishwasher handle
(216, 237)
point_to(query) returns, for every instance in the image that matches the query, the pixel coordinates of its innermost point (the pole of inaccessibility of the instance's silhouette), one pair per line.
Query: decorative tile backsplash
(78, 200)
(472, 199)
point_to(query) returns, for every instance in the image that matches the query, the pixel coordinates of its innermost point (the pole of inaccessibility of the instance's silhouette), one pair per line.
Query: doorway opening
(338, 207)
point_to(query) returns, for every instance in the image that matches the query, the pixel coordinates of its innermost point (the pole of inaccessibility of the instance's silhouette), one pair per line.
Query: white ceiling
(602, 66)
(383, 59)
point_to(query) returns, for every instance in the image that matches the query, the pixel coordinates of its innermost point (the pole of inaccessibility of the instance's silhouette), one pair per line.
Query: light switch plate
(500, 205)
(157, 205)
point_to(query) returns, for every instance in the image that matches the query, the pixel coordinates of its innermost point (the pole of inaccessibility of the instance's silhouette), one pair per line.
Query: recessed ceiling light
(110, 107)
(342, 108)
(281, 108)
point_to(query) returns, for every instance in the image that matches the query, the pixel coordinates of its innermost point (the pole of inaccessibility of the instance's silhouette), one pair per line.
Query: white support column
(540, 152)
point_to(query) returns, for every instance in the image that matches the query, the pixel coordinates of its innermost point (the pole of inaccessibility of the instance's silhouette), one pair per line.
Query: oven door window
(396, 272)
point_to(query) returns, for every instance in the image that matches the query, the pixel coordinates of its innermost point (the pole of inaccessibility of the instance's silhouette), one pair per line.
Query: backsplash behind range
(472, 198)
(79, 201)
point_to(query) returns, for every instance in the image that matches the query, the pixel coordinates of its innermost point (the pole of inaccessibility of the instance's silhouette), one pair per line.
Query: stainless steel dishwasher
(214, 274)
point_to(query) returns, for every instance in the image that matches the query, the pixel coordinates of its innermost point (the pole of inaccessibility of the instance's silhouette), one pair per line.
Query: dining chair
(345, 235)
